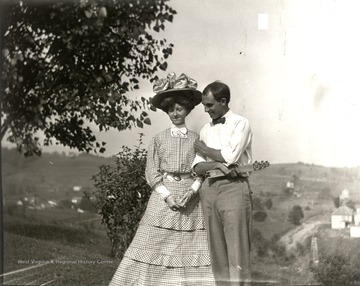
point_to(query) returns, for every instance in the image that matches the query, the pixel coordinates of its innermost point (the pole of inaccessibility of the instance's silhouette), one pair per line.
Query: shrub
(336, 201)
(260, 216)
(296, 214)
(268, 203)
(65, 204)
(257, 204)
(121, 196)
(336, 269)
(300, 249)
(256, 236)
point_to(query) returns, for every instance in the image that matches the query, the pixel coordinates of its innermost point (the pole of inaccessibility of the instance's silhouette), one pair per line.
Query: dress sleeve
(152, 172)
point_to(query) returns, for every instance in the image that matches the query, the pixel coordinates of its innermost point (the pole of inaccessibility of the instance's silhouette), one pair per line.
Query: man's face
(216, 109)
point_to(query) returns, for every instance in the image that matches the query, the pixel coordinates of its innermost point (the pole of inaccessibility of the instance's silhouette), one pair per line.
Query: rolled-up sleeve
(239, 140)
(198, 158)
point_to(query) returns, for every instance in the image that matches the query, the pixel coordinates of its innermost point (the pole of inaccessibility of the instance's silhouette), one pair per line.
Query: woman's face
(177, 114)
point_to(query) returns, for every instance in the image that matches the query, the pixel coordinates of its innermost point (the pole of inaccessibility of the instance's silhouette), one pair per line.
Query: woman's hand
(172, 203)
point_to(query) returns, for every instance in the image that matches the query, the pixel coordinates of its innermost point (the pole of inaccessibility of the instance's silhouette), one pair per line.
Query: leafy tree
(69, 64)
(296, 214)
(268, 203)
(336, 201)
(257, 203)
(121, 196)
(350, 204)
(260, 216)
(65, 204)
(256, 236)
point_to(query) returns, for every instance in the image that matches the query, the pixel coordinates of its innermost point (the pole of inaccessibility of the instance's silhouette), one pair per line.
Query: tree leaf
(163, 66)
(88, 13)
(139, 123)
(147, 121)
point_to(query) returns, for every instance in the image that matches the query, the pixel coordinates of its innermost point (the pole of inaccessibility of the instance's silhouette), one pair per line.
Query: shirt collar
(179, 131)
(227, 114)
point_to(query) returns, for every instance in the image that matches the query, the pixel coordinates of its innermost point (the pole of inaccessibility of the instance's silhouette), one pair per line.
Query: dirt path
(302, 232)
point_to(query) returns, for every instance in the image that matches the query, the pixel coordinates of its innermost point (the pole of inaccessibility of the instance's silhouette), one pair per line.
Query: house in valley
(342, 217)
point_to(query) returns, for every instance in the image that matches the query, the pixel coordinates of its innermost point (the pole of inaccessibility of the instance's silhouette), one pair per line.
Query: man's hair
(219, 90)
(184, 101)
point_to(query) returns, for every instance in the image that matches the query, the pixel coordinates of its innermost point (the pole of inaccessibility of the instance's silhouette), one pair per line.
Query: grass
(98, 269)
(70, 255)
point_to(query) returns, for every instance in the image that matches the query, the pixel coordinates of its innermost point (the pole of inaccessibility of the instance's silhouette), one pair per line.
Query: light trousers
(227, 207)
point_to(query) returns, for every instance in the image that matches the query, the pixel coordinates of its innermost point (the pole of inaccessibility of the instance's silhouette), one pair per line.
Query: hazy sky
(292, 67)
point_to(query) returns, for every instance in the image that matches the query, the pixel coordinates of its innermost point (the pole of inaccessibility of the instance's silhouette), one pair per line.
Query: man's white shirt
(233, 139)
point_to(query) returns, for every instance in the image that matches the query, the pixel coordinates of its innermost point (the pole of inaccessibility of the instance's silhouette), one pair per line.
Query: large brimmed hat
(175, 86)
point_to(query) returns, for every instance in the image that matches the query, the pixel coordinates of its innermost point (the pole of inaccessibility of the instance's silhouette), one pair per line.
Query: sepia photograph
(180, 142)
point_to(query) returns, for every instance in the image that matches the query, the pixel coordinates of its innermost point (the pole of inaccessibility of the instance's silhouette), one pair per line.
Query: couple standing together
(195, 230)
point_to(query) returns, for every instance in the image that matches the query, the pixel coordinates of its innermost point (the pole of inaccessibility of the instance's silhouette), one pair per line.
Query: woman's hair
(183, 100)
(219, 90)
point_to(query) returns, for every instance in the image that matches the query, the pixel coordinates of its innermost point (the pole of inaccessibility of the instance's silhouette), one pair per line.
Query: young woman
(170, 246)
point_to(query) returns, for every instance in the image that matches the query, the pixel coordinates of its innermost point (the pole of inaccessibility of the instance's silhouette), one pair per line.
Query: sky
(292, 68)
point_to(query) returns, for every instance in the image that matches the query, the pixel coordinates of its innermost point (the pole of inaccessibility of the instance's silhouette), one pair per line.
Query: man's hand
(228, 172)
(200, 147)
(190, 193)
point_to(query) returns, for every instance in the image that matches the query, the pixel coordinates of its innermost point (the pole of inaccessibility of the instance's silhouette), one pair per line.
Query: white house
(77, 188)
(355, 231)
(342, 217)
(357, 217)
(76, 200)
(52, 203)
(290, 185)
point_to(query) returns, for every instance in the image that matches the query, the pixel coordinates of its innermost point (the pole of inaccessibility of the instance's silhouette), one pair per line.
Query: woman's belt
(176, 176)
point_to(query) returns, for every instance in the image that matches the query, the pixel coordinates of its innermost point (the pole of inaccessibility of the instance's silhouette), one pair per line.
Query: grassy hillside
(62, 254)
(51, 176)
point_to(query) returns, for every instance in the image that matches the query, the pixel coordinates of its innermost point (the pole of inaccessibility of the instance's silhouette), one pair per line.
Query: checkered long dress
(169, 248)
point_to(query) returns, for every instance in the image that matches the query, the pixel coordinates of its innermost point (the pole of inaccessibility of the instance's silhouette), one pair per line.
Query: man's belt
(256, 166)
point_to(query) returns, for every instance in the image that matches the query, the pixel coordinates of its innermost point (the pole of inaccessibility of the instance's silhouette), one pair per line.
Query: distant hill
(51, 173)
(304, 170)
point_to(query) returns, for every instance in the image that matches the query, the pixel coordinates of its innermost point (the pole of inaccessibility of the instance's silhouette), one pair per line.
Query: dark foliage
(296, 215)
(337, 269)
(257, 204)
(121, 196)
(260, 216)
(268, 203)
(69, 64)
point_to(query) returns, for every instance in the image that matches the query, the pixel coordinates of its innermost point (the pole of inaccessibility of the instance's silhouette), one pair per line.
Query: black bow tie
(220, 120)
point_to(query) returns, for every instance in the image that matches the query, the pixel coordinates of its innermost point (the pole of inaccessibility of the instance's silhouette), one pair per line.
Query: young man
(226, 200)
